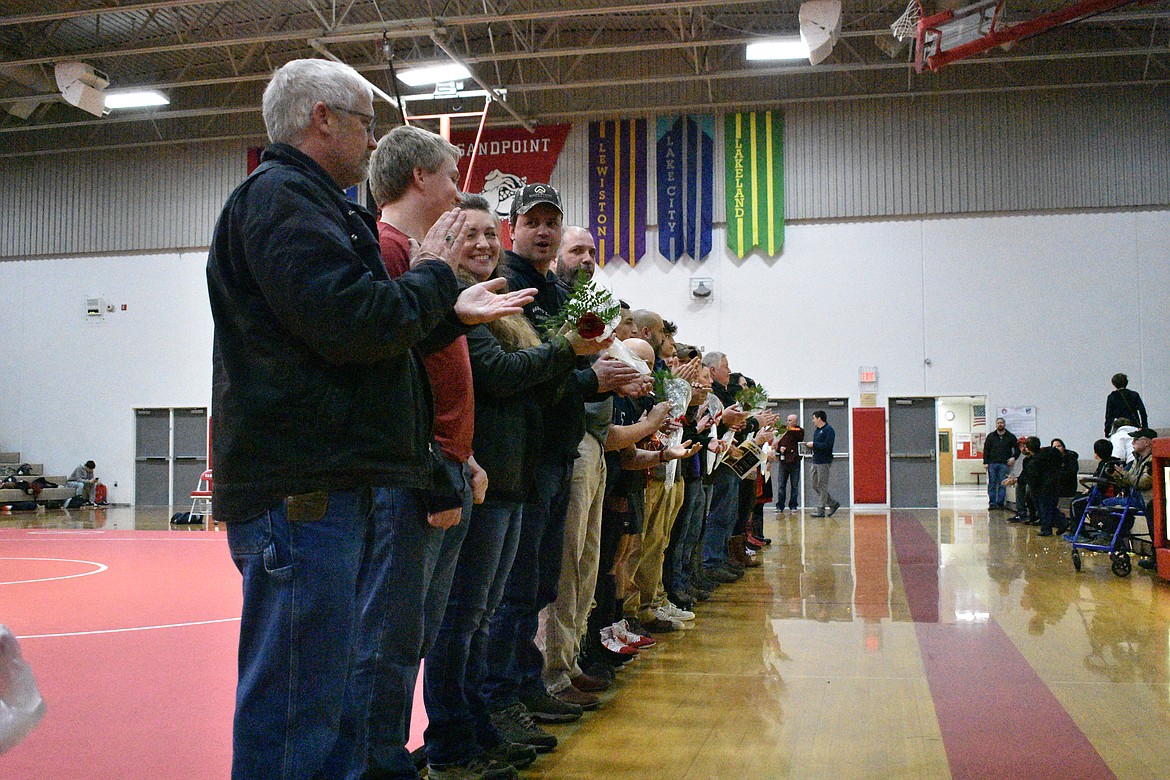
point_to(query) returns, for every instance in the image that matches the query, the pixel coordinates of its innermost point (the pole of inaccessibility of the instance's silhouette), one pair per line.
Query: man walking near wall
(1000, 451)
(786, 468)
(824, 437)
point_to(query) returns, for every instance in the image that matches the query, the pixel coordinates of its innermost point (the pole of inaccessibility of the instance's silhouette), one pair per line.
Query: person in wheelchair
(1101, 479)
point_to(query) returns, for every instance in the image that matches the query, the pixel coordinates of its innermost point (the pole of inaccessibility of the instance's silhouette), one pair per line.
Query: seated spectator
(83, 481)
(1069, 469)
(1103, 452)
(1139, 472)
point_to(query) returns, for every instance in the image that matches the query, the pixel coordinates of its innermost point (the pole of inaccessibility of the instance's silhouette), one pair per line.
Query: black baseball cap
(533, 194)
(1144, 433)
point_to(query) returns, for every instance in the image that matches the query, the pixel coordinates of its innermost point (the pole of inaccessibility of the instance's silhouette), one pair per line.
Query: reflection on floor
(889, 643)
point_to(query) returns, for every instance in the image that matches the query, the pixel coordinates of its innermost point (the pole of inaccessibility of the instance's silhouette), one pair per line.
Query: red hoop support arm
(1014, 33)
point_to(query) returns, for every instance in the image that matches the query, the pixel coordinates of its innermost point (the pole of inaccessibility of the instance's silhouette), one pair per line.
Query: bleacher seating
(49, 497)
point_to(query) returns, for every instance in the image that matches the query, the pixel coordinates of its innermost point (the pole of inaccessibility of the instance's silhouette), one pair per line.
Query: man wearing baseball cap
(515, 664)
(1140, 473)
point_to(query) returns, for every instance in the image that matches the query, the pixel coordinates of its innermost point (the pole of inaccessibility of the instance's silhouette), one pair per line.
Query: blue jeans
(459, 726)
(514, 663)
(786, 475)
(690, 520)
(996, 492)
(721, 519)
(298, 630)
(405, 595)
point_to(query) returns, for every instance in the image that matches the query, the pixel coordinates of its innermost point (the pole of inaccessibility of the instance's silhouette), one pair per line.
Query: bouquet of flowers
(668, 387)
(752, 399)
(591, 310)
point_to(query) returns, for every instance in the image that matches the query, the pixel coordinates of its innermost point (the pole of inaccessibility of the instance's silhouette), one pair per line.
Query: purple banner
(686, 169)
(617, 189)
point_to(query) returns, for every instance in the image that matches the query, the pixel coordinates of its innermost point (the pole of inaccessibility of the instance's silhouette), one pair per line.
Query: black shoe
(601, 670)
(514, 753)
(1033, 521)
(659, 626)
(700, 594)
(481, 768)
(516, 725)
(719, 574)
(700, 581)
(1015, 519)
(635, 626)
(833, 507)
(1044, 533)
(548, 709)
(818, 513)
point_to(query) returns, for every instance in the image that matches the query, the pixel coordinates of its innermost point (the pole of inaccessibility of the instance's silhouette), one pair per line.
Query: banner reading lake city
(617, 189)
(686, 169)
(507, 159)
(754, 146)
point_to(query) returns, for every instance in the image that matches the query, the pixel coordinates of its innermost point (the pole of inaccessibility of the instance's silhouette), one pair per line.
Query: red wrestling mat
(132, 637)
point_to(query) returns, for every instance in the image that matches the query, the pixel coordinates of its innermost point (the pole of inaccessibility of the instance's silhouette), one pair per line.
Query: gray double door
(913, 453)
(837, 413)
(170, 454)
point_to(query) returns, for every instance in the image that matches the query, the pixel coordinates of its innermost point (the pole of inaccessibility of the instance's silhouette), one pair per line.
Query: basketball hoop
(907, 24)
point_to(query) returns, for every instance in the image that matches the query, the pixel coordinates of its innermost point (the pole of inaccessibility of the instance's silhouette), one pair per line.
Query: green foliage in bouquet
(661, 377)
(752, 399)
(588, 310)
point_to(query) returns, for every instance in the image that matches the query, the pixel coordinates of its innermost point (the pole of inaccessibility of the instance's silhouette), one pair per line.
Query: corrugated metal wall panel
(1016, 151)
(161, 198)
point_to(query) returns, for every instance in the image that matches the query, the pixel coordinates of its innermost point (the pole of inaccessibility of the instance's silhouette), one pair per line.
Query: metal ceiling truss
(583, 58)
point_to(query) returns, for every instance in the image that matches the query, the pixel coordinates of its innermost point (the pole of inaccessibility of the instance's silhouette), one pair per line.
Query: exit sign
(867, 375)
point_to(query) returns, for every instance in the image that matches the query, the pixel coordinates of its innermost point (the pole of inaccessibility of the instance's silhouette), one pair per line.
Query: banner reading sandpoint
(507, 159)
(617, 189)
(686, 170)
(754, 145)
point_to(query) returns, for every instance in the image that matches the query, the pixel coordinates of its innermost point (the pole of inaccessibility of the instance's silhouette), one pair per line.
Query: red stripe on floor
(997, 717)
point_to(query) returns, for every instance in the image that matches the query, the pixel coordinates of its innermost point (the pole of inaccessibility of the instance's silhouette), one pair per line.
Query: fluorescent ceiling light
(779, 49)
(433, 74)
(139, 99)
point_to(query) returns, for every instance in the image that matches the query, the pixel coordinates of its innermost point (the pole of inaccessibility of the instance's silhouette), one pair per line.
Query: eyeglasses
(370, 122)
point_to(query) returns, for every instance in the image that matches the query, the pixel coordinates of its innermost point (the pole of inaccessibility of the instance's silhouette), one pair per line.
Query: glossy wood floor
(884, 644)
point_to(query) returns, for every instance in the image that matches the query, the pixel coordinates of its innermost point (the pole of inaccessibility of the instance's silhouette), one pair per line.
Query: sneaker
(577, 697)
(516, 725)
(549, 709)
(478, 768)
(634, 626)
(613, 643)
(624, 633)
(674, 612)
(519, 756)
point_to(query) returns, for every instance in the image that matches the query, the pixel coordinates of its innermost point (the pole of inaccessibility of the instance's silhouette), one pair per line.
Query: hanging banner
(617, 189)
(754, 146)
(508, 158)
(686, 168)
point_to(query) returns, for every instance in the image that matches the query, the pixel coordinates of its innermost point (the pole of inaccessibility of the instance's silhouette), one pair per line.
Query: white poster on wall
(1020, 420)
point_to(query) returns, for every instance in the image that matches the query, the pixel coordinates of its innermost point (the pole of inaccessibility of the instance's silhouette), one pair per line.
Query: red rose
(590, 326)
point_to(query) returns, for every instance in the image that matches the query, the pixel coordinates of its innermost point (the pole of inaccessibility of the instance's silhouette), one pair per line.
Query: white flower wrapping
(621, 352)
(21, 705)
(678, 393)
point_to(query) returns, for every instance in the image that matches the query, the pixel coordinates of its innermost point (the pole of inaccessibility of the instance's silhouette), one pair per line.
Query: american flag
(978, 414)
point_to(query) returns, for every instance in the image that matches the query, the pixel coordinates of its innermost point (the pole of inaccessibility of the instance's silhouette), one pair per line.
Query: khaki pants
(563, 623)
(662, 507)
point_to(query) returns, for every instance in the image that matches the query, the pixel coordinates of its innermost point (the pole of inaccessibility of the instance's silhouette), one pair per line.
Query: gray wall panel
(1013, 151)
(1007, 152)
(160, 198)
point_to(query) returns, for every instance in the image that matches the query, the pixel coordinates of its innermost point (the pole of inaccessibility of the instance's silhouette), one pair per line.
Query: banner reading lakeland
(617, 189)
(507, 159)
(686, 169)
(755, 181)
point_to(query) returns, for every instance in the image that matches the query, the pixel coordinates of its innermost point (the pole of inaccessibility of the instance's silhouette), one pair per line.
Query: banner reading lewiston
(754, 145)
(617, 189)
(686, 169)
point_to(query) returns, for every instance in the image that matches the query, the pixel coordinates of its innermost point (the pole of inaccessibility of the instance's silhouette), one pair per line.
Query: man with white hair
(321, 429)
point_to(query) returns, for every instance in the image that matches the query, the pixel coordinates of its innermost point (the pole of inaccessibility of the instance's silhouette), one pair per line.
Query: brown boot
(739, 556)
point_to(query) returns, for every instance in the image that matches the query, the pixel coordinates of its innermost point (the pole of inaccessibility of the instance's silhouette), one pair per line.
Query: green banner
(754, 146)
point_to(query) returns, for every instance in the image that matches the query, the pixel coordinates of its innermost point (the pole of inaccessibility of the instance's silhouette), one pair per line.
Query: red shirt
(449, 369)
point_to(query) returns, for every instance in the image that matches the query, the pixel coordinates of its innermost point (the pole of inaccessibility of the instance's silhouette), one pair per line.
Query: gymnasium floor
(888, 644)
